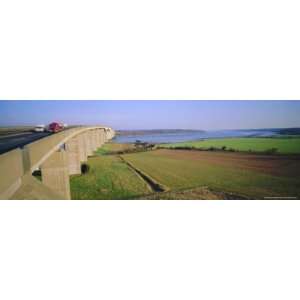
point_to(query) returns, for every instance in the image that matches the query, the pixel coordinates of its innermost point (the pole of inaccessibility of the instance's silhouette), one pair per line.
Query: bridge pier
(55, 173)
(105, 136)
(102, 136)
(88, 143)
(94, 139)
(73, 154)
(98, 138)
(11, 172)
(82, 148)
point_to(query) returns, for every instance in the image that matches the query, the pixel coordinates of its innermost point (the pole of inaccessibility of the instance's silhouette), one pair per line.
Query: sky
(139, 114)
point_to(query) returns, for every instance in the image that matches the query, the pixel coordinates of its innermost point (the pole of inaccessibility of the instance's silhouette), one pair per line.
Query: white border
(150, 50)
(149, 250)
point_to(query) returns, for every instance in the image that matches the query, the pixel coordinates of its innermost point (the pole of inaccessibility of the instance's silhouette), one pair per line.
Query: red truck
(55, 127)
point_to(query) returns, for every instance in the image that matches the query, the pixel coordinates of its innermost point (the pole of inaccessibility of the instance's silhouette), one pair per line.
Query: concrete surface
(10, 173)
(33, 189)
(57, 155)
(55, 174)
(82, 148)
(72, 150)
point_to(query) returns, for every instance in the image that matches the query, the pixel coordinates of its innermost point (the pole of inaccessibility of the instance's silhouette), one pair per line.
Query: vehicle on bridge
(39, 128)
(55, 127)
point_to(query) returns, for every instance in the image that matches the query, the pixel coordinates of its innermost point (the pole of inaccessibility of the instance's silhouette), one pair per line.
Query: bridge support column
(105, 136)
(55, 173)
(94, 141)
(94, 138)
(102, 134)
(98, 138)
(88, 143)
(82, 148)
(72, 149)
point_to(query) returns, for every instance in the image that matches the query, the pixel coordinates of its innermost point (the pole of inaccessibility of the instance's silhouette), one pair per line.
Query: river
(189, 135)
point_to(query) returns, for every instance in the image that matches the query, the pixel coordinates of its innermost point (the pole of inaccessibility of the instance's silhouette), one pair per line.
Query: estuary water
(189, 135)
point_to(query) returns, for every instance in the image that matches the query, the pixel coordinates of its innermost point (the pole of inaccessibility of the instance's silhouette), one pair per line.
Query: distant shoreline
(280, 131)
(156, 131)
(161, 136)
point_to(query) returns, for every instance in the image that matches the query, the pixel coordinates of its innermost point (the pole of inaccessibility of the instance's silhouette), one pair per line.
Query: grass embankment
(198, 193)
(111, 148)
(108, 178)
(252, 176)
(283, 145)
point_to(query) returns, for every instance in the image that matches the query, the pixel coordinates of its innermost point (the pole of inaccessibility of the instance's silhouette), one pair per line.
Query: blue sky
(207, 115)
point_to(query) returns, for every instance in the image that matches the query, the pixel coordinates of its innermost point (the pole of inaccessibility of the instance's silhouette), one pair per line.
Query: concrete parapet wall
(79, 143)
(82, 147)
(94, 139)
(40, 150)
(98, 137)
(33, 189)
(11, 171)
(88, 141)
(73, 155)
(102, 136)
(55, 173)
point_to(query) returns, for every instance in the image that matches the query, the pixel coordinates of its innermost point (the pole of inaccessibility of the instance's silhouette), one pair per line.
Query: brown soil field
(251, 176)
(276, 165)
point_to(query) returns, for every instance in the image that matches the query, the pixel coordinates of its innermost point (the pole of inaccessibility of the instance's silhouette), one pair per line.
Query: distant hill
(156, 131)
(289, 131)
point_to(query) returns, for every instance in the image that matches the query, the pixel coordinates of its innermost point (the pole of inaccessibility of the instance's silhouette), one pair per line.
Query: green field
(108, 178)
(110, 148)
(226, 172)
(198, 193)
(283, 145)
(187, 174)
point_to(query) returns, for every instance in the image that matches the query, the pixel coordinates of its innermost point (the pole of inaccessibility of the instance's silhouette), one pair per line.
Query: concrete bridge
(57, 156)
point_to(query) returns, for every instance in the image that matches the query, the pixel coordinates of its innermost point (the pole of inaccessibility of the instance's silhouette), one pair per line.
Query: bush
(37, 173)
(271, 151)
(85, 168)
(231, 150)
(183, 148)
(212, 148)
(223, 148)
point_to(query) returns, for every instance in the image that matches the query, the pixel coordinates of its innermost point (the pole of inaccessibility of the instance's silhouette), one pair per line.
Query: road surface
(14, 141)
